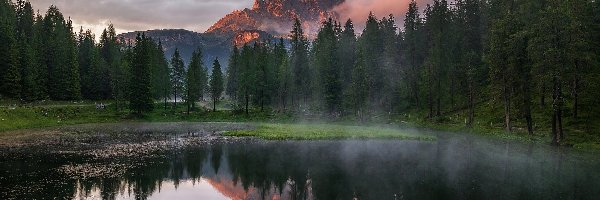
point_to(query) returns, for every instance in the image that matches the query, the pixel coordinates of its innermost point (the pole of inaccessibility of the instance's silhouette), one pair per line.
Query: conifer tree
(233, 77)
(346, 52)
(413, 48)
(10, 76)
(177, 75)
(29, 73)
(60, 56)
(326, 59)
(140, 96)
(90, 67)
(216, 83)
(194, 79)
(299, 63)
(161, 75)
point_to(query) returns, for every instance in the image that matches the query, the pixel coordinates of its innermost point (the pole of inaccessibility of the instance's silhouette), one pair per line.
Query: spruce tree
(299, 64)
(10, 75)
(177, 75)
(413, 50)
(346, 52)
(216, 83)
(140, 95)
(233, 77)
(161, 75)
(194, 78)
(60, 57)
(372, 49)
(27, 61)
(437, 23)
(326, 59)
(90, 67)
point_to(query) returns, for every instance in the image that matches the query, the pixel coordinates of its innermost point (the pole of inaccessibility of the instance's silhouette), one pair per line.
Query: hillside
(213, 45)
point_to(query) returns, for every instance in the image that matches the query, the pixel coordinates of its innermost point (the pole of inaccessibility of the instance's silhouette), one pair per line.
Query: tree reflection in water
(446, 169)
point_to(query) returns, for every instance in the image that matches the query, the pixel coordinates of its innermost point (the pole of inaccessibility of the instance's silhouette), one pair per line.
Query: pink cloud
(358, 10)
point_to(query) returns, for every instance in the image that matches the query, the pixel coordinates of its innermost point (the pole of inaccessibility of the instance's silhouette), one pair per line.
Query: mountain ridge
(266, 20)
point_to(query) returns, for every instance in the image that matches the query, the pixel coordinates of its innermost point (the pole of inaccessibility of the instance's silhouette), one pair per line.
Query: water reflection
(450, 168)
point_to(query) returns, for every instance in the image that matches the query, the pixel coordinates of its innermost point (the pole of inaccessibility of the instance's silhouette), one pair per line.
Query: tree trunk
(554, 131)
(471, 105)
(543, 95)
(262, 101)
(452, 93)
(416, 93)
(507, 108)
(557, 132)
(166, 95)
(559, 113)
(430, 92)
(215, 104)
(188, 103)
(175, 100)
(438, 111)
(527, 106)
(247, 102)
(576, 97)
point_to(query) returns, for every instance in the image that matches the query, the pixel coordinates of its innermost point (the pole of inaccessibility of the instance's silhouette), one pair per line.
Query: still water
(171, 167)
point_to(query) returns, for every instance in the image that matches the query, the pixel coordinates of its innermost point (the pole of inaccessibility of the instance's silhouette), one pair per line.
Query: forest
(525, 64)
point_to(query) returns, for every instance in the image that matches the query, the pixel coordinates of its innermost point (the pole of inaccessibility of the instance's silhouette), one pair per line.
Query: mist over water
(452, 167)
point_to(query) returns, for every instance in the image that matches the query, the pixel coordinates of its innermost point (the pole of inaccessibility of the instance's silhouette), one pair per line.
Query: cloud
(358, 10)
(130, 15)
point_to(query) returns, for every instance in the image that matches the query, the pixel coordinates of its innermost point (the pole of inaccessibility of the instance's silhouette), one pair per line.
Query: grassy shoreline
(272, 125)
(285, 131)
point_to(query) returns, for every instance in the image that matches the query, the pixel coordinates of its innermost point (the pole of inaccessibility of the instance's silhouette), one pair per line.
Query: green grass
(63, 113)
(271, 131)
(40, 117)
(582, 134)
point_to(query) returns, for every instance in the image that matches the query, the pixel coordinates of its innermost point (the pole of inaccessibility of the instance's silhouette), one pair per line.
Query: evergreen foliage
(216, 83)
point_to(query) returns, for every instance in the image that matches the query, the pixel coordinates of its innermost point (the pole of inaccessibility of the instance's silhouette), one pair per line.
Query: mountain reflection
(446, 169)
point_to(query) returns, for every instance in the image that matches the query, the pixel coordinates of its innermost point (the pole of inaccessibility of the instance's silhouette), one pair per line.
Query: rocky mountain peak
(276, 16)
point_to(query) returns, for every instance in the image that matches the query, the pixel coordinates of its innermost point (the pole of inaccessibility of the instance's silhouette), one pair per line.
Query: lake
(192, 161)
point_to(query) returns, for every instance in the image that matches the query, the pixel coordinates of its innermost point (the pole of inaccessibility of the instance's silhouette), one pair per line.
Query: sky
(195, 15)
(136, 15)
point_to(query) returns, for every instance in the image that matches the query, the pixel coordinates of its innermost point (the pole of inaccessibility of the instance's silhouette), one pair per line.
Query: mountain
(212, 45)
(268, 19)
(277, 16)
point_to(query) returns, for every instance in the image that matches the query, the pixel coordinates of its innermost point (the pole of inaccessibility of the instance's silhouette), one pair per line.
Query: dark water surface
(147, 165)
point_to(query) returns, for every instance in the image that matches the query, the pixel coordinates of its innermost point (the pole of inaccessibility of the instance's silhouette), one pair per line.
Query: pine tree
(347, 58)
(216, 83)
(437, 23)
(140, 96)
(161, 75)
(247, 76)
(177, 75)
(194, 78)
(372, 48)
(283, 74)
(60, 56)
(90, 67)
(469, 52)
(10, 76)
(261, 75)
(390, 63)
(326, 59)
(413, 48)
(27, 58)
(233, 76)
(109, 50)
(299, 64)
(360, 85)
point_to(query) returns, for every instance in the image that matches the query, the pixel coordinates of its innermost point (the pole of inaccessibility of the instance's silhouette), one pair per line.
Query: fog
(358, 10)
(455, 166)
